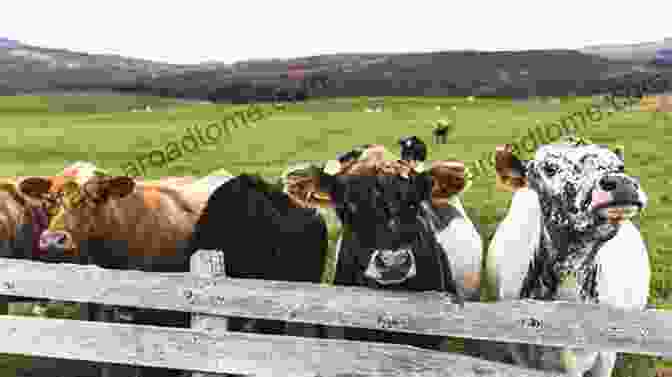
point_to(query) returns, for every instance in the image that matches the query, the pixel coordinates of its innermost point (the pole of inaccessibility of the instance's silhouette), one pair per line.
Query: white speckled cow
(568, 236)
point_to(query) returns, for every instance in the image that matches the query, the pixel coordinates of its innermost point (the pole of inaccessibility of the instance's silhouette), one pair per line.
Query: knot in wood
(531, 322)
(644, 332)
(8, 284)
(482, 369)
(615, 331)
(387, 321)
(189, 295)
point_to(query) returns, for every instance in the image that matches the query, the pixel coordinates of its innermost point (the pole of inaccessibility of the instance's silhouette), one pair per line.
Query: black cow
(413, 149)
(395, 237)
(263, 236)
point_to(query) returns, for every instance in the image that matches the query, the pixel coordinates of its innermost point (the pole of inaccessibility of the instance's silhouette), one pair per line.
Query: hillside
(26, 69)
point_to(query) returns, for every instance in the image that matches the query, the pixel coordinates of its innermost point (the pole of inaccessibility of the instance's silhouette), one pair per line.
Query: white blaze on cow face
(391, 266)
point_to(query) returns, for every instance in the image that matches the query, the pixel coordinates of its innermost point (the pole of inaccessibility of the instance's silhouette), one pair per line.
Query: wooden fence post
(102, 313)
(208, 264)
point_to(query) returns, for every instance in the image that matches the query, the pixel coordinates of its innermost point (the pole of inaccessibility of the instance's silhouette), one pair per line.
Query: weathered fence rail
(526, 321)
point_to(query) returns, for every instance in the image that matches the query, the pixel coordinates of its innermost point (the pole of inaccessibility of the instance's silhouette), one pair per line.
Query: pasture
(41, 134)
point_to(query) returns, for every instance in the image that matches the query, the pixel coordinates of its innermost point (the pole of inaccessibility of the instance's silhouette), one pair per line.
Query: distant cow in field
(441, 131)
(568, 236)
(264, 234)
(404, 229)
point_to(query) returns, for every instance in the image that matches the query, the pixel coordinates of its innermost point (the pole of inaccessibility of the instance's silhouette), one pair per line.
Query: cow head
(25, 217)
(448, 177)
(379, 199)
(80, 201)
(14, 213)
(582, 188)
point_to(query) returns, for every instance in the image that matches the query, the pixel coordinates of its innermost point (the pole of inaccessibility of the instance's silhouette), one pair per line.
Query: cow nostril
(608, 183)
(58, 239)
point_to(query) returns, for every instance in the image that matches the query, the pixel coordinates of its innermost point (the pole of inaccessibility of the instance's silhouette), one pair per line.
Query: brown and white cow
(117, 222)
(146, 220)
(22, 220)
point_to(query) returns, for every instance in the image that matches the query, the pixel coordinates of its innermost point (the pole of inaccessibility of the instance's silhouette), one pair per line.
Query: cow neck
(563, 254)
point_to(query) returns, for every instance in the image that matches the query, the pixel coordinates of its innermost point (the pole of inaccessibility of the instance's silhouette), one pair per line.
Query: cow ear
(448, 178)
(509, 170)
(118, 187)
(35, 187)
(307, 191)
(10, 187)
(619, 150)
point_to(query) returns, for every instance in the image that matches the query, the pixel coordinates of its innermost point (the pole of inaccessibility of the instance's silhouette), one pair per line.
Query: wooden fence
(206, 348)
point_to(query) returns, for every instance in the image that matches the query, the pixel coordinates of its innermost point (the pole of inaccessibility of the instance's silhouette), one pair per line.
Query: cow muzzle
(617, 198)
(58, 241)
(391, 266)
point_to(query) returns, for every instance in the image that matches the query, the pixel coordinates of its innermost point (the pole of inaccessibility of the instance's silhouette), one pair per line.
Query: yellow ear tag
(7, 186)
(71, 193)
(420, 167)
(57, 222)
(332, 167)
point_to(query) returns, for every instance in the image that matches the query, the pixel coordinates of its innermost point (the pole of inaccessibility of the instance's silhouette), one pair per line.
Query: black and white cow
(401, 232)
(264, 235)
(568, 236)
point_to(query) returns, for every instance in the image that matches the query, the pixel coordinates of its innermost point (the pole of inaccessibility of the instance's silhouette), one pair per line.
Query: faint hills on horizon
(639, 52)
(26, 69)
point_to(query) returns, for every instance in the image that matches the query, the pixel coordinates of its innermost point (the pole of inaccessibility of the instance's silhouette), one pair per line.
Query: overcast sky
(194, 31)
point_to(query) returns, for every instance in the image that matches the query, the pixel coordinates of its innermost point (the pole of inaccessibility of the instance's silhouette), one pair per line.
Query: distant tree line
(235, 92)
(348, 85)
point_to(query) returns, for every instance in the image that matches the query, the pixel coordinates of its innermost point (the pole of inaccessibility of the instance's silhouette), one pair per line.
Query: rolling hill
(27, 69)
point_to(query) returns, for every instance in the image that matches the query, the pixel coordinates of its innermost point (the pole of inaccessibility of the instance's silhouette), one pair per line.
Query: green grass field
(41, 134)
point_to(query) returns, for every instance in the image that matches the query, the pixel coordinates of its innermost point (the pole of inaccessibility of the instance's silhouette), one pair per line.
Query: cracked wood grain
(524, 321)
(236, 352)
(208, 264)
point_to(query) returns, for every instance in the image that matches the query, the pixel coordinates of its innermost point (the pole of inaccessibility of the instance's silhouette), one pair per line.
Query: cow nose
(609, 183)
(619, 190)
(617, 183)
(55, 239)
(391, 258)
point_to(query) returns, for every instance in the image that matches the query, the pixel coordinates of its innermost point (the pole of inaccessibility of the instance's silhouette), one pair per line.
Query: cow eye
(550, 170)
